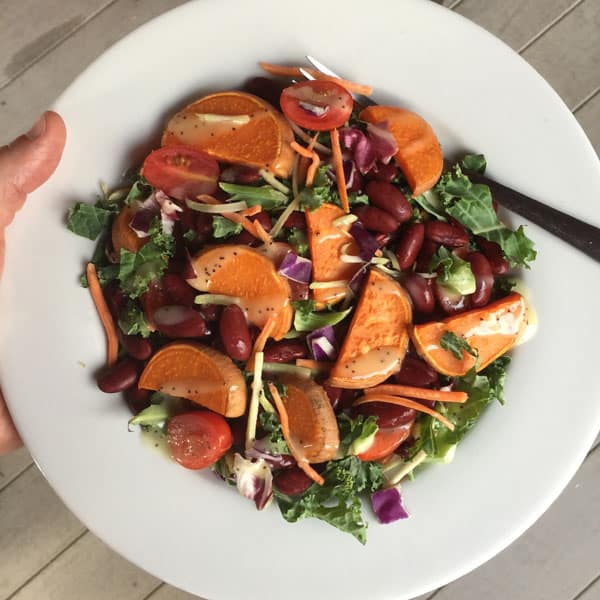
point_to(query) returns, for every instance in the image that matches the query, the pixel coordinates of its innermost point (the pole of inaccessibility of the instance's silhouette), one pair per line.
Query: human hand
(25, 164)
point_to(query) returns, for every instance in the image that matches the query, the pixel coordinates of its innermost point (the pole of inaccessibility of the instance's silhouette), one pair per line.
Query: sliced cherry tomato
(386, 441)
(317, 105)
(198, 439)
(181, 172)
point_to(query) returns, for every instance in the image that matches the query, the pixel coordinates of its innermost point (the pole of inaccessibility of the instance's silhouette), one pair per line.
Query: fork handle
(581, 235)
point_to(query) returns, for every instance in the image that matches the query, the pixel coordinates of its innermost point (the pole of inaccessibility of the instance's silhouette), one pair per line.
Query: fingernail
(38, 128)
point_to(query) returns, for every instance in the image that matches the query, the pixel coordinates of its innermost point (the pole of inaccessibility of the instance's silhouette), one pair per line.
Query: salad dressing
(381, 361)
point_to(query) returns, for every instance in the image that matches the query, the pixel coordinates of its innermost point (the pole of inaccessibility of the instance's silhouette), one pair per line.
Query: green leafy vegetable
(154, 416)
(474, 162)
(140, 190)
(105, 274)
(265, 195)
(337, 502)
(431, 203)
(455, 272)
(356, 435)
(132, 321)
(503, 286)
(275, 443)
(305, 319)
(87, 220)
(224, 228)
(298, 240)
(471, 205)
(456, 344)
(189, 235)
(324, 190)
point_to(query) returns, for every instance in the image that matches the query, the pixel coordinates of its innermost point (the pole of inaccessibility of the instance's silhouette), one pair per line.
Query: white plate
(188, 528)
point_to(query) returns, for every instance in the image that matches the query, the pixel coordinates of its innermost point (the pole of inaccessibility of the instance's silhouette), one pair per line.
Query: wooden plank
(513, 21)
(555, 557)
(591, 592)
(589, 118)
(90, 570)
(12, 465)
(35, 527)
(24, 99)
(167, 592)
(568, 54)
(31, 28)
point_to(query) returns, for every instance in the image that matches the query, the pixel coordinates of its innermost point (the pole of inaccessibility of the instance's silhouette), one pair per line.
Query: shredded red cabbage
(254, 480)
(296, 268)
(322, 343)
(259, 450)
(383, 141)
(387, 505)
(367, 244)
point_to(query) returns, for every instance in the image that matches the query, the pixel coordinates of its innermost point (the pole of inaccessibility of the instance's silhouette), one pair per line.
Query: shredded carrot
(417, 392)
(306, 138)
(351, 86)
(339, 169)
(261, 233)
(314, 365)
(112, 339)
(261, 340)
(250, 211)
(301, 150)
(233, 217)
(309, 152)
(285, 429)
(399, 401)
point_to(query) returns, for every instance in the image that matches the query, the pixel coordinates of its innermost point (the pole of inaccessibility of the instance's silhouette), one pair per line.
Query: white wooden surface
(45, 552)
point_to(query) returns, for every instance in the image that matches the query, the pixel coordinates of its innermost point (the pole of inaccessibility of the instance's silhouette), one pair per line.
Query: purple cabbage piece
(254, 480)
(383, 141)
(322, 343)
(314, 109)
(260, 450)
(357, 280)
(140, 222)
(361, 147)
(387, 505)
(296, 268)
(367, 244)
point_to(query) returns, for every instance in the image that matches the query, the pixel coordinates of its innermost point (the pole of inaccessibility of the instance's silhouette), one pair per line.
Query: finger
(9, 436)
(28, 162)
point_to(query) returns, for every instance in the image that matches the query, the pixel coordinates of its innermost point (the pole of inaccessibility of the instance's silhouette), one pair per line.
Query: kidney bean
(202, 225)
(239, 174)
(446, 234)
(300, 291)
(450, 302)
(296, 220)
(266, 88)
(119, 377)
(416, 372)
(292, 481)
(285, 351)
(137, 399)
(238, 430)
(210, 312)
(484, 279)
(234, 332)
(375, 219)
(420, 292)
(389, 198)
(493, 252)
(115, 298)
(410, 245)
(390, 415)
(264, 219)
(177, 290)
(244, 239)
(428, 249)
(334, 394)
(136, 346)
(176, 321)
(382, 172)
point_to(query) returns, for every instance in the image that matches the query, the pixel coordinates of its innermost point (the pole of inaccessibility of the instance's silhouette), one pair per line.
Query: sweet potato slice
(246, 274)
(491, 331)
(250, 131)
(198, 373)
(376, 343)
(122, 235)
(326, 241)
(312, 422)
(419, 153)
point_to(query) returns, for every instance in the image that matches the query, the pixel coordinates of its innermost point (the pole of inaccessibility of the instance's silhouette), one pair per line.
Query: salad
(300, 296)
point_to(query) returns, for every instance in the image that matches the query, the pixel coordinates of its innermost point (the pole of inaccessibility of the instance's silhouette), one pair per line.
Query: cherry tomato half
(181, 172)
(198, 439)
(317, 105)
(385, 442)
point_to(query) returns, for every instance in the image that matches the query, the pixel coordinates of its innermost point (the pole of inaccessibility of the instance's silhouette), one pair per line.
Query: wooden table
(45, 552)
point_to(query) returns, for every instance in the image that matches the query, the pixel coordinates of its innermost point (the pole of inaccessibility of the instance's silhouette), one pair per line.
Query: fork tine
(321, 67)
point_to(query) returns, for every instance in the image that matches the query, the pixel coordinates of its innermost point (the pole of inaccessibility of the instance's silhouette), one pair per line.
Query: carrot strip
(308, 152)
(314, 365)
(339, 169)
(301, 150)
(351, 86)
(261, 340)
(285, 429)
(250, 211)
(399, 401)
(261, 233)
(306, 138)
(417, 392)
(233, 217)
(112, 339)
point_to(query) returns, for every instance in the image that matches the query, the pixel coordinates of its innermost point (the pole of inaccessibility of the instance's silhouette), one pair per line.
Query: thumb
(27, 163)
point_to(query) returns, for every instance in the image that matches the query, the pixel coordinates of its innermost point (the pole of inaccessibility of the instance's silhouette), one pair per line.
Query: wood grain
(589, 118)
(13, 465)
